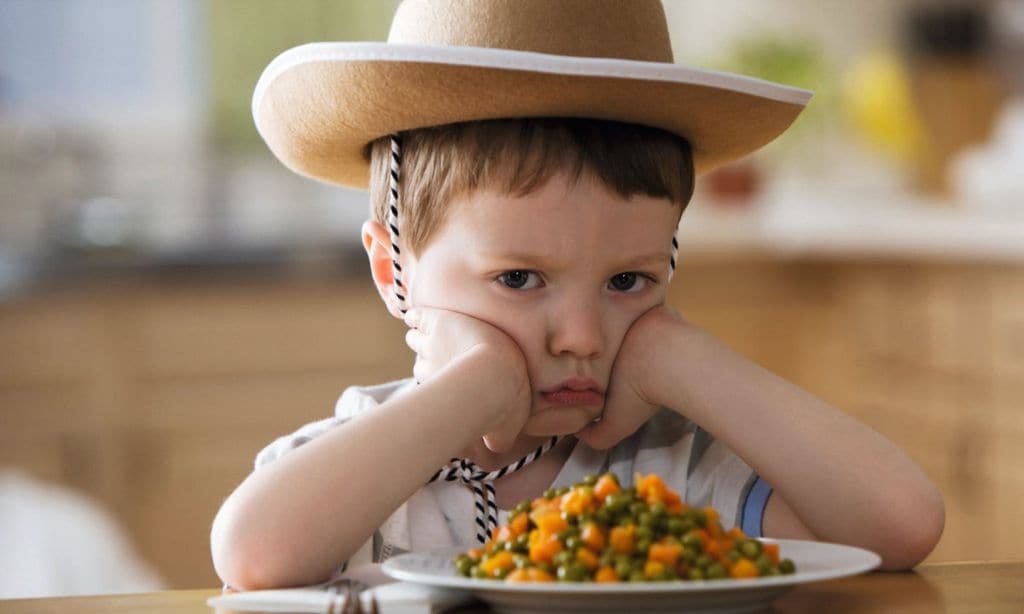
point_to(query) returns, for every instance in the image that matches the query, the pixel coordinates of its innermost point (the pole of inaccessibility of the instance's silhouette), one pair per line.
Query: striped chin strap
(482, 484)
(463, 470)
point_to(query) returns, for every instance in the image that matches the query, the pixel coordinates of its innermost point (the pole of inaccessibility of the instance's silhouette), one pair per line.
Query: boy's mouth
(574, 391)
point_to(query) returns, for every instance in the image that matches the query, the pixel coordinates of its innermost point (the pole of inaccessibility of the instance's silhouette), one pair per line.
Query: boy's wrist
(677, 362)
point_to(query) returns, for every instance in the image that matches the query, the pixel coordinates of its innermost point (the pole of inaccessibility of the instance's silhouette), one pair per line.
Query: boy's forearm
(844, 481)
(293, 521)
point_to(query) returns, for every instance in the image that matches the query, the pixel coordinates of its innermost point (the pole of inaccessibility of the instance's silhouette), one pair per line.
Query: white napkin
(392, 597)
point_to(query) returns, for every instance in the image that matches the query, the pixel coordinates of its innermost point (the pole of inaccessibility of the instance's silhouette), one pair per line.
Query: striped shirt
(441, 514)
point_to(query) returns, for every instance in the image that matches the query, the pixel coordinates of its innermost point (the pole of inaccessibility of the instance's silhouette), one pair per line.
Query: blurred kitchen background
(172, 299)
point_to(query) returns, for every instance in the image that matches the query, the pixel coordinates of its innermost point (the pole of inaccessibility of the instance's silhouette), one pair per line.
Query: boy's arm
(294, 520)
(834, 478)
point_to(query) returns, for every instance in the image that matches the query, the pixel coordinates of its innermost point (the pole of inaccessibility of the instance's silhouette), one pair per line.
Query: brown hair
(518, 156)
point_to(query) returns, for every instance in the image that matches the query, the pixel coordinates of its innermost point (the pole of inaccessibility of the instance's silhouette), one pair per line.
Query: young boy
(530, 258)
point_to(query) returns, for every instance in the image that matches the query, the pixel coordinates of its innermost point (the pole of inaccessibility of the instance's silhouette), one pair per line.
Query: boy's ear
(377, 243)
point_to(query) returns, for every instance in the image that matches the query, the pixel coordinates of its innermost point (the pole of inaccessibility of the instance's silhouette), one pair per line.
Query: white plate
(815, 561)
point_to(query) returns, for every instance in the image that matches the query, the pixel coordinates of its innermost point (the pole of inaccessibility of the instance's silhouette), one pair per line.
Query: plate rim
(871, 561)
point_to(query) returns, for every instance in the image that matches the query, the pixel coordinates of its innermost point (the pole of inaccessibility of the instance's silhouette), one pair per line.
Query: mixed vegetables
(598, 531)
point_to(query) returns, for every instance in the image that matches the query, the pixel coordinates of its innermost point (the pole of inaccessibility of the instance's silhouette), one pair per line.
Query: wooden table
(949, 587)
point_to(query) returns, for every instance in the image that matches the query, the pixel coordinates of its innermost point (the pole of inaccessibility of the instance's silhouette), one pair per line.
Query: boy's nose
(577, 330)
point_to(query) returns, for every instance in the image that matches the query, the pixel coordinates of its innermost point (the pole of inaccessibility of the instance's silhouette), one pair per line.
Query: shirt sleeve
(354, 400)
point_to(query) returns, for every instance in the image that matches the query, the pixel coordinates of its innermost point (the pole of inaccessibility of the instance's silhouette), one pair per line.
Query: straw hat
(318, 105)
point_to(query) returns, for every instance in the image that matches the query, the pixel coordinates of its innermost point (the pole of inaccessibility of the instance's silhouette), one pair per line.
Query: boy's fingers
(414, 339)
(600, 435)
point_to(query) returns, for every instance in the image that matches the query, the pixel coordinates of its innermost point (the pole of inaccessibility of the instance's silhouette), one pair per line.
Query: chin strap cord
(482, 484)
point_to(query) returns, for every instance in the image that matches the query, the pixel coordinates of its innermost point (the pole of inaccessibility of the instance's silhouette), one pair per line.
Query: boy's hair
(516, 157)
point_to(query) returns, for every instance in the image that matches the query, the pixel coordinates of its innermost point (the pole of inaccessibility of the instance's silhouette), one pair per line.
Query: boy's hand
(440, 337)
(642, 362)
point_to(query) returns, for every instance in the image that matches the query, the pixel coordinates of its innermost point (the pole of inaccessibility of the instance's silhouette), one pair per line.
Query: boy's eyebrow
(536, 261)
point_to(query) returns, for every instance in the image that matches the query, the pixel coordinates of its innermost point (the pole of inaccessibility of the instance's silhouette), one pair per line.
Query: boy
(530, 259)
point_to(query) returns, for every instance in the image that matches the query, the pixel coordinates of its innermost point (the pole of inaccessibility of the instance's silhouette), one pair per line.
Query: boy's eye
(518, 280)
(627, 282)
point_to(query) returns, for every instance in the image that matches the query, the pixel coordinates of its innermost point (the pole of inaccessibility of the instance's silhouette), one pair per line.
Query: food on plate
(598, 531)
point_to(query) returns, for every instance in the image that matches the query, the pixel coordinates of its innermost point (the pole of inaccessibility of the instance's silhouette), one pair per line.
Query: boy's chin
(560, 421)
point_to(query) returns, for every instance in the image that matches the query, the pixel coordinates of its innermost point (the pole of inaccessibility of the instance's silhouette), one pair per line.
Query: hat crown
(633, 30)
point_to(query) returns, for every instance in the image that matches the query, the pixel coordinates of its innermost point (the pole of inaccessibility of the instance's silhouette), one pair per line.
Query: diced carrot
(606, 485)
(736, 533)
(622, 539)
(579, 500)
(606, 574)
(539, 575)
(713, 525)
(474, 553)
(502, 533)
(665, 553)
(587, 558)
(544, 549)
(518, 575)
(713, 548)
(743, 568)
(500, 561)
(592, 536)
(519, 524)
(550, 521)
(650, 488)
(653, 569)
(772, 550)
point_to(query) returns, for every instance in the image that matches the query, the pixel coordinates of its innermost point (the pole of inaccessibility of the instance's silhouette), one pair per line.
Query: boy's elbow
(240, 562)
(911, 540)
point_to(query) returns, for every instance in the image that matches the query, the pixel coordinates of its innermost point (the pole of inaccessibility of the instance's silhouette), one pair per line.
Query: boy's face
(563, 271)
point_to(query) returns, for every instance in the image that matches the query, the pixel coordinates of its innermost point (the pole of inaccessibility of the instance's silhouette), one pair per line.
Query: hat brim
(317, 106)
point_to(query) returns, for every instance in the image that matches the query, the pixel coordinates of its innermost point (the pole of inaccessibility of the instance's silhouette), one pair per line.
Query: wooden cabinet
(929, 355)
(154, 397)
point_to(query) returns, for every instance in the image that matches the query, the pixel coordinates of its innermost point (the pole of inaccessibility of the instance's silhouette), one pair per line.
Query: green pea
(546, 568)
(675, 526)
(647, 519)
(573, 572)
(573, 542)
(750, 549)
(563, 558)
(699, 518)
(463, 564)
(521, 507)
(786, 566)
(602, 516)
(477, 572)
(643, 545)
(668, 575)
(623, 569)
(522, 561)
(763, 561)
(636, 508)
(501, 572)
(659, 509)
(522, 543)
(499, 545)
(630, 492)
(693, 539)
(643, 532)
(637, 575)
(703, 561)
(732, 556)
(549, 493)
(590, 479)
(695, 573)
(561, 491)
(607, 558)
(716, 571)
(773, 571)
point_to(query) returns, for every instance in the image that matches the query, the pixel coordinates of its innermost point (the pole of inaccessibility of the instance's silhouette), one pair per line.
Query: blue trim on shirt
(754, 506)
